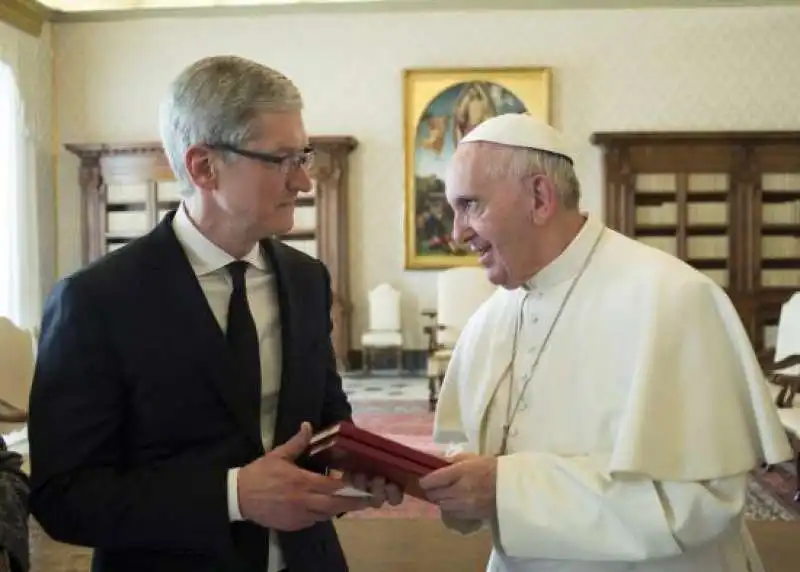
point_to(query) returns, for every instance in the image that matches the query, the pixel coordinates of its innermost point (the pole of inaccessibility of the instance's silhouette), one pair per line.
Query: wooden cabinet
(727, 203)
(127, 188)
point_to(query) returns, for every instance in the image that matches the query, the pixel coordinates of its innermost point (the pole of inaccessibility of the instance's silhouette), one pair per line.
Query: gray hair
(217, 100)
(517, 163)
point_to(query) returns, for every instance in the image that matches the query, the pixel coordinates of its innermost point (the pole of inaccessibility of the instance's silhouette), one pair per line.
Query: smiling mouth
(483, 250)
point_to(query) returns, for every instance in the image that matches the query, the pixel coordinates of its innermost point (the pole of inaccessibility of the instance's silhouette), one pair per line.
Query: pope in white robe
(626, 390)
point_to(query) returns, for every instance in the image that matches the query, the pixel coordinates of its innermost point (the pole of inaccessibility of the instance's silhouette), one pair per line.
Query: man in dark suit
(174, 374)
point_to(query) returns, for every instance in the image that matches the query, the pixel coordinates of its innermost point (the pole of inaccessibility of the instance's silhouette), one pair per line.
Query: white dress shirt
(208, 262)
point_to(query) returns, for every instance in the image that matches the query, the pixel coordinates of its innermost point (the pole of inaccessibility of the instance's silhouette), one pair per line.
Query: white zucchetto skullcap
(520, 130)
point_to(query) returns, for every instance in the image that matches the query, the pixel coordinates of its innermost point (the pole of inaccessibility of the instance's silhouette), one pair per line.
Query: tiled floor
(392, 388)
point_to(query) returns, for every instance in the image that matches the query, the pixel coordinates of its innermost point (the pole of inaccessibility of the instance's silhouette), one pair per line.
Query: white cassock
(634, 438)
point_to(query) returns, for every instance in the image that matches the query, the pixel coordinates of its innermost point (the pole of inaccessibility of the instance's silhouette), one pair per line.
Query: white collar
(567, 264)
(205, 256)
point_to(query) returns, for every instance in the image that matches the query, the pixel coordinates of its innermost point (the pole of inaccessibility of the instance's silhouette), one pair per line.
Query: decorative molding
(378, 6)
(614, 139)
(26, 15)
(96, 150)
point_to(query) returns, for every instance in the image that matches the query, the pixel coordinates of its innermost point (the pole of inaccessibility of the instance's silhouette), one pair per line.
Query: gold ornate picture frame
(440, 105)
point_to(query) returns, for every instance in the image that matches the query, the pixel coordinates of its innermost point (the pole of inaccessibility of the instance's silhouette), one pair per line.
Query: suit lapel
(195, 324)
(286, 424)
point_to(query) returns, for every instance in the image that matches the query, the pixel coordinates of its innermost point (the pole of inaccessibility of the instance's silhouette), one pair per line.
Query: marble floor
(385, 388)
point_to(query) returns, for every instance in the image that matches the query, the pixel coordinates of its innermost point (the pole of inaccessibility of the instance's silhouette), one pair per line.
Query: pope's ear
(530, 189)
(545, 196)
(542, 194)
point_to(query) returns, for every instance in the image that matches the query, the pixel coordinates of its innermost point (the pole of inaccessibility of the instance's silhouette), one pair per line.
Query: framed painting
(441, 105)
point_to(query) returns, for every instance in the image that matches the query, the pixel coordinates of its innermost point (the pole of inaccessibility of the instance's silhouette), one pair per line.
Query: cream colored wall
(31, 59)
(614, 70)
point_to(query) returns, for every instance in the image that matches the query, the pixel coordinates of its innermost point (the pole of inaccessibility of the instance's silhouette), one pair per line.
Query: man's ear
(200, 164)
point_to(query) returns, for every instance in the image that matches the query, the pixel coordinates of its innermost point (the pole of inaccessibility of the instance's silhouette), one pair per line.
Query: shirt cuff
(234, 513)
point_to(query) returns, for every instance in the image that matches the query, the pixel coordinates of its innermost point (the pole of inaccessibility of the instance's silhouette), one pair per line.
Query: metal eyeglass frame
(301, 160)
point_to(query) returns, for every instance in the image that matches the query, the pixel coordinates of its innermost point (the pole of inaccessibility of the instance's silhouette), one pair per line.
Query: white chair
(384, 330)
(784, 375)
(460, 292)
(787, 341)
(16, 374)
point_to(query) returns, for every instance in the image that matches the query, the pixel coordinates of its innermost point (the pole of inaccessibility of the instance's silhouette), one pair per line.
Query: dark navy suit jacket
(135, 420)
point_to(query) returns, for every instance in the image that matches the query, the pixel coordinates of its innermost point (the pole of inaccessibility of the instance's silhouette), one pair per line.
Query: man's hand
(382, 492)
(277, 494)
(466, 489)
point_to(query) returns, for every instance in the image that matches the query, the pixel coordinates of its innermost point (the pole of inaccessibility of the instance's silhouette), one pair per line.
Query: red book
(345, 447)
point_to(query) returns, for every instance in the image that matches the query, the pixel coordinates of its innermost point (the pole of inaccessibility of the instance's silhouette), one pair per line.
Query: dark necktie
(242, 338)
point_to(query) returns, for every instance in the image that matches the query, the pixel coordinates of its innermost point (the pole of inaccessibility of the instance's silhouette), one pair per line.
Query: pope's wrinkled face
(500, 218)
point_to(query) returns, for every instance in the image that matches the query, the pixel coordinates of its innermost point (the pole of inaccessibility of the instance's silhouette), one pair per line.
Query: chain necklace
(511, 413)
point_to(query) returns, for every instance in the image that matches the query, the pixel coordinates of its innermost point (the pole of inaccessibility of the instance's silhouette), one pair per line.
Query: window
(10, 263)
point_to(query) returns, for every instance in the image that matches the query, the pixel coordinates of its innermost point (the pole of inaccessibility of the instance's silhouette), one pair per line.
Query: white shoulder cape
(697, 404)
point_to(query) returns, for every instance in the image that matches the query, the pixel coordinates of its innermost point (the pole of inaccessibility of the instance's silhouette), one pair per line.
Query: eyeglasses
(286, 162)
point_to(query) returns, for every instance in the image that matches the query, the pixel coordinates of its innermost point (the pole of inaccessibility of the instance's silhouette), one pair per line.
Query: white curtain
(9, 141)
(20, 260)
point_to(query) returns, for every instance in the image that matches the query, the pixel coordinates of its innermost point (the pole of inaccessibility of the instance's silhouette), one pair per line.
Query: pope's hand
(465, 489)
(275, 493)
(382, 492)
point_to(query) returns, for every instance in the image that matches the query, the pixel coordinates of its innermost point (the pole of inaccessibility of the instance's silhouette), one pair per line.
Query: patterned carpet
(772, 492)
(397, 408)
(410, 423)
